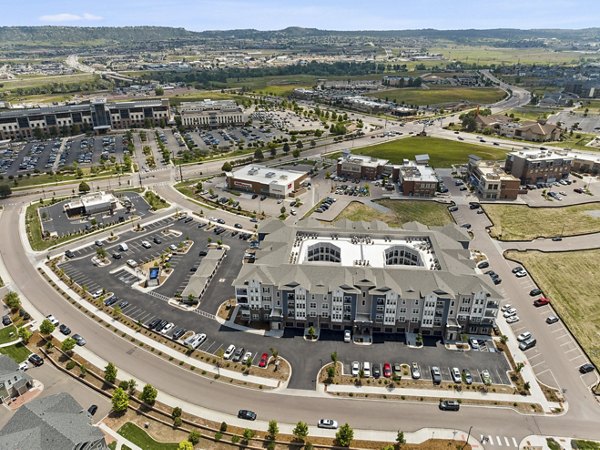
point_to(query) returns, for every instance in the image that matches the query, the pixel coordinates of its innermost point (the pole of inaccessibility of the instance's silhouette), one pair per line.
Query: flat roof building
(539, 166)
(92, 203)
(491, 182)
(360, 166)
(211, 113)
(417, 179)
(367, 277)
(96, 115)
(264, 180)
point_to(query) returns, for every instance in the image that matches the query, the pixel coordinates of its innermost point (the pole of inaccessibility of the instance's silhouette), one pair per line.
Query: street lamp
(468, 436)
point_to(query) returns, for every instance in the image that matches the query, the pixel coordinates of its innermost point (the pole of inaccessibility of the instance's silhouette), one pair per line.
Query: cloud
(68, 17)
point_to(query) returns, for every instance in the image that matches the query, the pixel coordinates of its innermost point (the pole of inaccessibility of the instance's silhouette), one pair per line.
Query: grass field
(593, 106)
(571, 280)
(519, 222)
(18, 352)
(403, 211)
(6, 336)
(9, 85)
(529, 113)
(155, 201)
(577, 141)
(139, 437)
(437, 96)
(442, 152)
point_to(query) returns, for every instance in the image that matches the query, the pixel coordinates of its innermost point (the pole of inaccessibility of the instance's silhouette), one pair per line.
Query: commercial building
(53, 422)
(96, 115)
(360, 166)
(491, 182)
(539, 166)
(366, 277)
(13, 382)
(211, 114)
(269, 181)
(93, 203)
(416, 178)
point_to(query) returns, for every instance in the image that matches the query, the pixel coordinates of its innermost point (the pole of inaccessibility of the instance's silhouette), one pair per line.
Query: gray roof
(8, 368)
(54, 422)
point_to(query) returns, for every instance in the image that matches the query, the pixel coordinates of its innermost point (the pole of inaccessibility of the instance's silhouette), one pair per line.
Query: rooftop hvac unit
(270, 174)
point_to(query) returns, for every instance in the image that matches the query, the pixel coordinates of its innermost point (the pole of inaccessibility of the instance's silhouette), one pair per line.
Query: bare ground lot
(572, 281)
(401, 211)
(519, 222)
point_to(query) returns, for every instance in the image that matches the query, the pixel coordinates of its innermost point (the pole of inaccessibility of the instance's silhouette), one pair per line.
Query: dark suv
(36, 360)
(586, 368)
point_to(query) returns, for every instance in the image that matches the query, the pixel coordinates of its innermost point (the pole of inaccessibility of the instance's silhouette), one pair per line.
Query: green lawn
(576, 141)
(442, 152)
(140, 438)
(155, 201)
(18, 352)
(5, 334)
(437, 96)
(403, 211)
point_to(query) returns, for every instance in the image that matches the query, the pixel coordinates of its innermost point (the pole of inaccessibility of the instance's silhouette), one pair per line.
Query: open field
(592, 105)
(436, 96)
(570, 280)
(497, 55)
(195, 95)
(442, 152)
(7, 85)
(8, 334)
(530, 113)
(577, 141)
(403, 211)
(519, 222)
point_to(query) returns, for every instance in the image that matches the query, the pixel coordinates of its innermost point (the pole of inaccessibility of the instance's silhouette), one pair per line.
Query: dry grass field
(403, 211)
(519, 222)
(572, 281)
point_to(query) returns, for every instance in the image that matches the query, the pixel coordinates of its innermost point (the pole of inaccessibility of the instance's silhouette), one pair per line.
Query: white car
(512, 319)
(173, 247)
(328, 423)
(523, 336)
(146, 244)
(23, 366)
(521, 274)
(366, 369)
(97, 294)
(347, 336)
(53, 320)
(355, 368)
(456, 375)
(229, 352)
(247, 357)
(167, 328)
(509, 313)
(506, 307)
(131, 263)
(474, 344)
(415, 372)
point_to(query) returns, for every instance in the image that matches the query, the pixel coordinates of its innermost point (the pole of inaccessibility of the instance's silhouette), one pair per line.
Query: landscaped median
(205, 364)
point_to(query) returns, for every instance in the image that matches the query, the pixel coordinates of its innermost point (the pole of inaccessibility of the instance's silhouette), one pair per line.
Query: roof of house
(54, 422)
(493, 119)
(8, 368)
(539, 128)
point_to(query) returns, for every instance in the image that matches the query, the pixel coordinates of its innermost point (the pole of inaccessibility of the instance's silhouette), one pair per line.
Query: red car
(387, 370)
(541, 301)
(264, 359)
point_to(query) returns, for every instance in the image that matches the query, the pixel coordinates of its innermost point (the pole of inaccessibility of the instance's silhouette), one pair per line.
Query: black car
(203, 253)
(586, 368)
(158, 328)
(483, 265)
(238, 225)
(92, 410)
(247, 415)
(535, 292)
(254, 196)
(111, 300)
(157, 240)
(124, 304)
(6, 320)
(178, 333)
(557, 238)
(153, 324)
(64, 329)
(69, 254)
(116, 255)
(188, 220)
(376, 371)
(221, 221)
(449, 405)
(24, 314)
(36, 360)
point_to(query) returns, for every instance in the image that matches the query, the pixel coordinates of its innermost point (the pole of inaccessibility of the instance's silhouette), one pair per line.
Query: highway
(580, 420)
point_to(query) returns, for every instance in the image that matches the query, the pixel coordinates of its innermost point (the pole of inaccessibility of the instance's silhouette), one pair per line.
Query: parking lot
(55, 220)
(54, 154)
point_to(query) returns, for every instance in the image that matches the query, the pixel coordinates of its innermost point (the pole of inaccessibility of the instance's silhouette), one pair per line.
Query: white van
(195, 340)
(123, 247)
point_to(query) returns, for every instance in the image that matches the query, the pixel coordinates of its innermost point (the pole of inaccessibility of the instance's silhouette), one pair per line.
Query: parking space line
(572, 350)
(538, 364)
(576, 357)
(565, 343)
(534, 356)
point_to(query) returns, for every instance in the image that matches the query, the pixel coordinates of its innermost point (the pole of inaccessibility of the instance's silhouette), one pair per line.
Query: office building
(491, 182)
(93, 203)
(97, 115)
(211, 114)
(539, 166)
(368, 278)
(269, 181)
(416, 178)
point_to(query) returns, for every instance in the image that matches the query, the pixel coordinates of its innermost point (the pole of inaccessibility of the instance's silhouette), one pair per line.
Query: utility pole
(468, 436)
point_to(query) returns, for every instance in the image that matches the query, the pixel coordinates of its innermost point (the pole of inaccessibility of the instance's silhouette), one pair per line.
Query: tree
(282, 210)
(519, 367)
(273, 151)
(110, 373)
(158, 90)
(226, 167)
(299, 145)
(185, 445)
(131, 385)
(149, 394)
(400, 441)
(286, 148)
(334, 357)
(46, 327)
(300, 431)
(12, 300)
(101, 253)
(312, 333)
(194, 437)
(248, 434)
(120, 401)
(176, 416)
(5, 190)
(273, 430)
(24, 334)
(296, 153)
(84, 187)
(344, 436)
(68, 345)
(258, 154)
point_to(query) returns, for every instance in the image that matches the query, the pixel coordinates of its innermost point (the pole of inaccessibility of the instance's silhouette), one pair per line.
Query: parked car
(124, 304)
(524, 336)
(69, 254)
(529, 343)
(397, 370)
(229, 352)
(157, 240)
(376, 371)
(355, 368)
(152, 324)
(167, 328)
(512, 319)
(551, 319)
(247, 357)
(264, 360)
(387, 370)
(6, 320)
(506, 307)
(178, 333)
(79, 340)
(92, 410)
(436, 375)
(467, 377)
(237, 356)
(485, 377)
(52, 320)
(542, 301)
(511, 312)
(517, 269)
(366, 368)
(246, 414)
(415, 371)
(328, 423)
(99, 243)
(586, 368)
(23, 366)
(64, 329)
(535, 292)
(474, 343)
(117, 255)
(347, 336)
(132, 263)
(456, 375)
(146, 244)
(35, 359)
(449, 405)
(483, 265)
(453, 208)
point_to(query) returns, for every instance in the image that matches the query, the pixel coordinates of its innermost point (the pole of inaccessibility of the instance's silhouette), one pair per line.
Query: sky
(199, 15)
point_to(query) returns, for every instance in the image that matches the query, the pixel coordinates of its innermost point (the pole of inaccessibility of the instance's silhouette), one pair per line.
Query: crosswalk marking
(500, 441)
(515, 442)
(506, 441)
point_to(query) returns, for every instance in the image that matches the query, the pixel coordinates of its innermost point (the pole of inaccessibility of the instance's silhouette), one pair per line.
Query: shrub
(70, 365)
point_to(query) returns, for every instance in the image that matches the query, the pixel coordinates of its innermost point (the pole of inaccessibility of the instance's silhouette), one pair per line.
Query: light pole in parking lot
(468, 436)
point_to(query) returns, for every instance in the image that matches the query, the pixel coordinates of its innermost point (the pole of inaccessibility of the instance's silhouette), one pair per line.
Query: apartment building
(539, 166)
(97, 115)
(211, 114)
(366, 277)
(491, 182)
